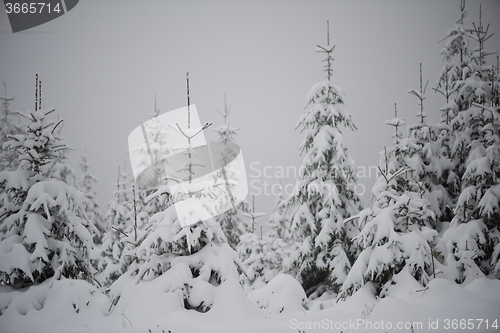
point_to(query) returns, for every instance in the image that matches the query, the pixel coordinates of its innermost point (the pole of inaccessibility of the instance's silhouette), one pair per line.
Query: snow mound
(483, 287)
(61, 305)
(404, 285)
(283, 294)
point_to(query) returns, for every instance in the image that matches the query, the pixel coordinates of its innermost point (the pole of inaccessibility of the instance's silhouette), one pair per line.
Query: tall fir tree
(424, 154)
(111, 259)
(474, 234)
(324, 195)
(396, 232)
(231, 223)
(189, 260)
(147, 203)
(48, 234)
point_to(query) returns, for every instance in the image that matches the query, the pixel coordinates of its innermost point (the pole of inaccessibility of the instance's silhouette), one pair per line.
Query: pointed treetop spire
(328, 50)
(421, 96)
(157, 111)
(396, 122)
(227, 109)
(36, 92)
(189, 102)
(463, 12)
(327, 32)
(253, 215)
(480, 34)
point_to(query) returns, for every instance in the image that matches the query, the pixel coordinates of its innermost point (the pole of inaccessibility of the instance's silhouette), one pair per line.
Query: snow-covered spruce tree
(456, 53)
(231, 223)
(86, 184)
(426, 154)
(474, 234)
(262, 257)
(396, 232)
(147, 203)
(110, 259)
(47, 230)
(324, 195)
(8, 159)
(468, 88)
(187, 264)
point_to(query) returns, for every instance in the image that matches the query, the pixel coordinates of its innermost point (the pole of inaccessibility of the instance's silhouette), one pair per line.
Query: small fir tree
(9, 160)
(86, 184)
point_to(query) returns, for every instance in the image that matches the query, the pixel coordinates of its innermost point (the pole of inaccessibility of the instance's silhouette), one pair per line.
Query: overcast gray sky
(102, 63)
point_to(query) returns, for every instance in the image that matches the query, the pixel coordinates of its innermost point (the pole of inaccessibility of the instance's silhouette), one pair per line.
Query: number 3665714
(30, 8)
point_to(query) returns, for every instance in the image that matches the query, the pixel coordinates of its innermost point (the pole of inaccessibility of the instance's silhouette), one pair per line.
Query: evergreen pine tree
(396, 232)
(262, 257)
(111, 260)
(147, 203)
(182, 249)
(474, 231)
(48, 234)
(325, 192)
(232, 225)
(426, 154)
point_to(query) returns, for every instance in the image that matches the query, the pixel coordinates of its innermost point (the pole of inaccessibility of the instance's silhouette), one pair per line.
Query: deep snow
(67, 306)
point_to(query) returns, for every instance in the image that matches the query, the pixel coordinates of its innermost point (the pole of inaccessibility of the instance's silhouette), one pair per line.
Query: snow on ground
(53, 305)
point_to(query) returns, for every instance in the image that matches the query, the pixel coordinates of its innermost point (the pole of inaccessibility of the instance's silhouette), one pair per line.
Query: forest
(429, 235)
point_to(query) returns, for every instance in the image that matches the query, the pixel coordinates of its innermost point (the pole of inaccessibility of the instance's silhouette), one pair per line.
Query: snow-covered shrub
(282, 294)
(262, 258)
